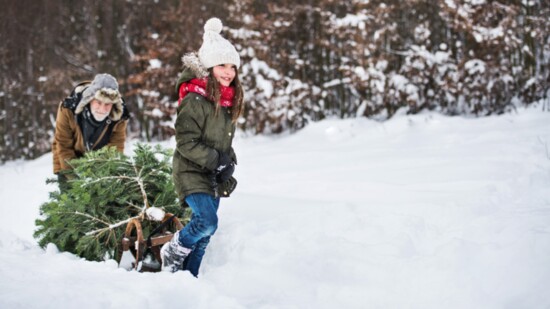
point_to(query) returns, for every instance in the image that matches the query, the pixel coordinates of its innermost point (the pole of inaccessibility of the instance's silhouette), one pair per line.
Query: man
(92, 117)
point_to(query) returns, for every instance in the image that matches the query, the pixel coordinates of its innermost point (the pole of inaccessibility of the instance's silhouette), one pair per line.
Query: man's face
(100, 110)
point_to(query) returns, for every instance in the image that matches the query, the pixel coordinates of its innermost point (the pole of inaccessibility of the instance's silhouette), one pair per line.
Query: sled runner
(145, 252)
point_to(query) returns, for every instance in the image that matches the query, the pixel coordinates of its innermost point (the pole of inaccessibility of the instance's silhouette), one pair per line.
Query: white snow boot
(173, 254)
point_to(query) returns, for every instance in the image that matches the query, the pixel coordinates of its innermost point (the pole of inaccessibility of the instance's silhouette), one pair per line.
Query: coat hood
(192, 62)
(192, 68)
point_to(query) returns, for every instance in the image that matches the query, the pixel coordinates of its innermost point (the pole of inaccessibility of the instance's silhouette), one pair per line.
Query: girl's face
(100, 110)
(224, 73)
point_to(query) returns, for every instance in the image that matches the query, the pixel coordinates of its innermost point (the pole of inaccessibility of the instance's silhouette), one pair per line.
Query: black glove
(225, 168)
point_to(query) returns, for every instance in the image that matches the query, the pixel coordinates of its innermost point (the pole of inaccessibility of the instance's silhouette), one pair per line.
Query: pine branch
(108, 178)
(141, 186)
(88, 216)
(113, 226)
(108, 227)
(138, 180)
(135, 206)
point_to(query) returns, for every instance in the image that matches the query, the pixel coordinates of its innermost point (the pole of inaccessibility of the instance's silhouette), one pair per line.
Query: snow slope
(421, 211)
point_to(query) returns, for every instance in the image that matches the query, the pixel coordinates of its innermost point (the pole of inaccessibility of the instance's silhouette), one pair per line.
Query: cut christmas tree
(110, 203)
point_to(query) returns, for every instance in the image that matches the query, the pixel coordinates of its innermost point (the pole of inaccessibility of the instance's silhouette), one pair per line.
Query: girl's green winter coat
(201, 135)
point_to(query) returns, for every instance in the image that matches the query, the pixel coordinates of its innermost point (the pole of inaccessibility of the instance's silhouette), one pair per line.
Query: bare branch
(112, 226)
(89, 216)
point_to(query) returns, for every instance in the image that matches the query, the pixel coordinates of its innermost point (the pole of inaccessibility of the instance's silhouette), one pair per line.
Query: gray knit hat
(104, 87)
(216, 50)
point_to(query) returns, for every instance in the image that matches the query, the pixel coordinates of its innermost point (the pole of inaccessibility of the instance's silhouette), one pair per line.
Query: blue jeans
(196, 234)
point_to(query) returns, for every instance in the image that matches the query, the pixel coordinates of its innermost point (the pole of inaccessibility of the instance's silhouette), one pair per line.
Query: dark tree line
(302, 60)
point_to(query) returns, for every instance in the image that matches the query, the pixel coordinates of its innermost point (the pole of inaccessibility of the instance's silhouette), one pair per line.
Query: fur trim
(191, 61)
(83, 85)
(83, 102)
(104, 88)
(104, 96)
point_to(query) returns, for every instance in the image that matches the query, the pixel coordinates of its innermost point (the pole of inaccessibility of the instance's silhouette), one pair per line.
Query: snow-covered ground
(421, 211)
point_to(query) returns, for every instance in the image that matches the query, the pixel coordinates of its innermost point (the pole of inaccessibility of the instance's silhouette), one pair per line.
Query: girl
(211, 101)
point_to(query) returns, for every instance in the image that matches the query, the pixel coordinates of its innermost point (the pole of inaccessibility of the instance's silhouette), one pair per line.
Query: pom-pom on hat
(216, 50)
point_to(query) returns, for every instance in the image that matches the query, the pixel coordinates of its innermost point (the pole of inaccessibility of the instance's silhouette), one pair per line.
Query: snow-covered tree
(302, 60)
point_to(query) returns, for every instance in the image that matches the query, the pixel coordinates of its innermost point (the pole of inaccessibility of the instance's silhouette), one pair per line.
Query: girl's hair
(213, 92)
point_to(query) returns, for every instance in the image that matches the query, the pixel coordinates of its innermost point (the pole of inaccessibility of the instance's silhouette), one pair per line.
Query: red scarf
(199, 86)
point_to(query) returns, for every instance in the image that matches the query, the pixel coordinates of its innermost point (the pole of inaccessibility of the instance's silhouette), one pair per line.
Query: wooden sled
(147, 256)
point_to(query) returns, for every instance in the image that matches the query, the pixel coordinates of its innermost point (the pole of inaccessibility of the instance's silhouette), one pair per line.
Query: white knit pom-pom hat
(216, 50)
